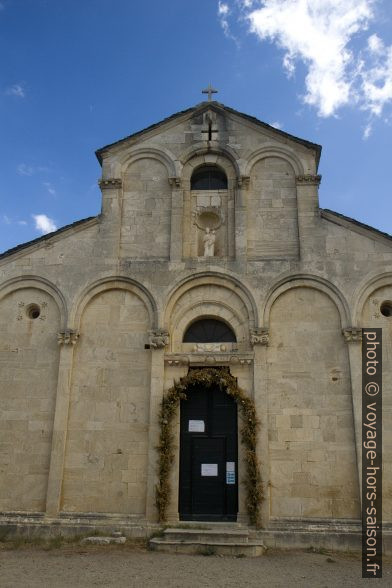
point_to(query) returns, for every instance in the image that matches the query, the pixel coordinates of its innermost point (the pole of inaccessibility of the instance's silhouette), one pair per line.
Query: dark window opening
(209, 331)
(209, 177)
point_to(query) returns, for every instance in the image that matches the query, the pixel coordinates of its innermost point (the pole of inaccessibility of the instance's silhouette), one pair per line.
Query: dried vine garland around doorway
(250, 424)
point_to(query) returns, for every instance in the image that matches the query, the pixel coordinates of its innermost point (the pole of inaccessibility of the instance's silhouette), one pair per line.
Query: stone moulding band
(208, 359)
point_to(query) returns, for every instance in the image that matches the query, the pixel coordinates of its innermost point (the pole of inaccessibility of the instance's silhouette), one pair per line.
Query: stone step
(250, 549)
(232, 541)
(222, 535)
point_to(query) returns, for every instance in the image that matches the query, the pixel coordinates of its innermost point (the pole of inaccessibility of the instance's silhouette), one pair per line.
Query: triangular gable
(219, 107)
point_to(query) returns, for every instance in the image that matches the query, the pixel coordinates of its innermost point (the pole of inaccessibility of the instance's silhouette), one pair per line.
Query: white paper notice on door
(209, 469)
(196, 427)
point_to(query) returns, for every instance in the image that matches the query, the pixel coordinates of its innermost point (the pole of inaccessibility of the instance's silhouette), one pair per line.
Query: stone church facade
(210, 250)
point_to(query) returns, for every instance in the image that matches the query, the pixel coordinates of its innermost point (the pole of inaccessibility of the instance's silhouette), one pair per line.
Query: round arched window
(209, 331)
(208, 177)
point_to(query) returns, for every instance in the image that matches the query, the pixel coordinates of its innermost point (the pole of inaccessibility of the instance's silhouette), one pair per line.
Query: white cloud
(376, 76)
(49, 188)
(44, 224)
(324, 36)
(224, 12)
(16, 90)
(277, 125)
(6, 219)
(25, 170)
(22, 222)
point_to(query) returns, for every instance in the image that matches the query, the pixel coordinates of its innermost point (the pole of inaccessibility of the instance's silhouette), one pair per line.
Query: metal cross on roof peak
(209, 90)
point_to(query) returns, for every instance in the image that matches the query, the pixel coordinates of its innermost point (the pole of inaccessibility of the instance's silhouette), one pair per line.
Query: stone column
(308, 213)
(260, 340)
(158, 340)
(67, 339)
(177, 212)
(110, 228)
(240, 219)
(353, 337)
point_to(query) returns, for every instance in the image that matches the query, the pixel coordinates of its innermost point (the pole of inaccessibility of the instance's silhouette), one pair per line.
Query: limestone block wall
(272, 210)
(29, 357)
(313, 469)
(146, 213)
(107, 444)
(372, 318)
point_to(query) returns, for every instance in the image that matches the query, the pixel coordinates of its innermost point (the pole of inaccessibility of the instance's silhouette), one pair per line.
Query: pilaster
(67, 340)
(111, 216)
(156, 395)
(353, 338)
(240, 218)
(308, 212)
(177, 213)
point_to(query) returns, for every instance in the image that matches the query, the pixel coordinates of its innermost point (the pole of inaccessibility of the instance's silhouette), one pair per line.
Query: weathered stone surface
(103, 540)
(81, 383)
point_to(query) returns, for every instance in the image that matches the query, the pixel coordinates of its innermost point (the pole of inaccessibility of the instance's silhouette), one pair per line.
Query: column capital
(352, 334)
(158, 338)
(259, 336)
(110, 183)
(243, 181)
(67, 337)
(175, 182)
(308, 180)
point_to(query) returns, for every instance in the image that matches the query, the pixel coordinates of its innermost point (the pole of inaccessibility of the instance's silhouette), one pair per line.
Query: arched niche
(31, 315)
(114, 283)
(146, 210)
(307, 281)
(208, 210)
(377, 296)
(272, 218)
(107, 440)
(312, 446)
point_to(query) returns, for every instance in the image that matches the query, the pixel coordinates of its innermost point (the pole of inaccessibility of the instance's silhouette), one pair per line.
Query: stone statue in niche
(208, 219)
(209, 243)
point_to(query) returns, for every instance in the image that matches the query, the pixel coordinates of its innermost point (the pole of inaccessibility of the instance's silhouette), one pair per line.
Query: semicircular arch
(307, 281)
(115, 283)
(39, 283)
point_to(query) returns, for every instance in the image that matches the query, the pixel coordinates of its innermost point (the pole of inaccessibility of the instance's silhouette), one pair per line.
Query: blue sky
(78, 75)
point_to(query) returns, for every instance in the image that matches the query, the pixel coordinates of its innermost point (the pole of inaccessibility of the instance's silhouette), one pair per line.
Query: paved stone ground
(76, 566)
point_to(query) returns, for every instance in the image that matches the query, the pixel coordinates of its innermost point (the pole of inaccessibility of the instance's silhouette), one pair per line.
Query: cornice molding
(308, 180)
(110, 183)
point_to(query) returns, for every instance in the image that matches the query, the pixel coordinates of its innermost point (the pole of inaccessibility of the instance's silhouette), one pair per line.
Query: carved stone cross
(209, 90)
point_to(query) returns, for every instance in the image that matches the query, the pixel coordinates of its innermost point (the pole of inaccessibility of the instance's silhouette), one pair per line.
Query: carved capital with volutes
(175, 182)
(259, 336)
(352, 335)
(67, 337)
(243, 182)
(308, 180)
(110, 183)
(158, 339)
